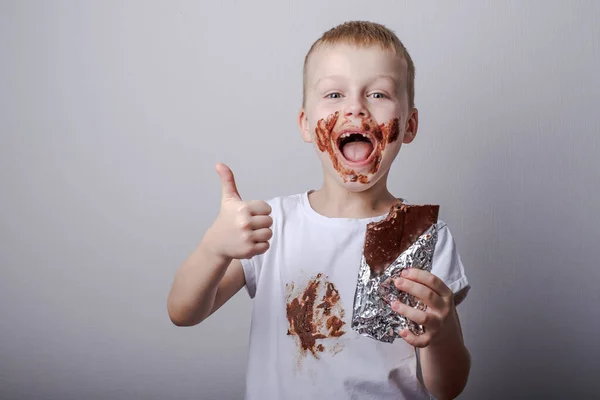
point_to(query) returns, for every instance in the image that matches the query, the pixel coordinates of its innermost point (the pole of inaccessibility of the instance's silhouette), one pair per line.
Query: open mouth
(357, 148)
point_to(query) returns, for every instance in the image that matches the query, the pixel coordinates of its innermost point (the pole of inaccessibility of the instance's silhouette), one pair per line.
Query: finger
(418, 316)
(228, 187)
(261, 221)
(260, 248)
(428, 279)
(421, 292)
(257, 207)
(415, 340)
(261, 235)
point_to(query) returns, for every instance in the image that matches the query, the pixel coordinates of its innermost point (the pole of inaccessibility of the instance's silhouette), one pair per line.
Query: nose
(356, 107)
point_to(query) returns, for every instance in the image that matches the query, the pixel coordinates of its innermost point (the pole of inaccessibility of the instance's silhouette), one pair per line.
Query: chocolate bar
(406, 238)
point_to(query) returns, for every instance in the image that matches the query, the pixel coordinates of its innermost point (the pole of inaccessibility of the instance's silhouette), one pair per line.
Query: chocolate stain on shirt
(332, 296)
(383, 134)
(316, 314)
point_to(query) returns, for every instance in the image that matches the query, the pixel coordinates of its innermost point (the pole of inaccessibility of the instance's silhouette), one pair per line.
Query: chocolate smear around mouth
(379, 137)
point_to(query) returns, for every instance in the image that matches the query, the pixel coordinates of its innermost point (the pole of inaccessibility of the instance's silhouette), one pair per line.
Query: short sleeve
(250, 274)
(252, 268)
(447, 264)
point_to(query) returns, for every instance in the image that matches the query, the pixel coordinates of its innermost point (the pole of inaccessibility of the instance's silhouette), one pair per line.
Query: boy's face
(356, 112)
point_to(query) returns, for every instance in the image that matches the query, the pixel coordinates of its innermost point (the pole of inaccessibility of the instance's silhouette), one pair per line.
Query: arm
(445, 365)
(445, 361)
(212, 274)
(202, 285)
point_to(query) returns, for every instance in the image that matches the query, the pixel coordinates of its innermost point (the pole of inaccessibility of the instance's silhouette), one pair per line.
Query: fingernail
(399, 281)
(404, 333)
(404, 272)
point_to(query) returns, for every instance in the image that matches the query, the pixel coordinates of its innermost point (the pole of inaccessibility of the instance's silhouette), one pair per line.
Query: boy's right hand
(242, 228)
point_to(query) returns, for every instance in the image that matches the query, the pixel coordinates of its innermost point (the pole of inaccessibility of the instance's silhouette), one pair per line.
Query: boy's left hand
(439, 320)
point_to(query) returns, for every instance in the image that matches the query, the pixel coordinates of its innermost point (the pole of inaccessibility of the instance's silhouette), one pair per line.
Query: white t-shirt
(332, 361)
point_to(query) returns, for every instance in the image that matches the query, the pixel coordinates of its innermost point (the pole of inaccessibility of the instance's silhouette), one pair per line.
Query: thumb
(228, 188)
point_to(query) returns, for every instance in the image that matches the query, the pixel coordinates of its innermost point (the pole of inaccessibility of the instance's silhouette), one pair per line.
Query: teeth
(347, 134)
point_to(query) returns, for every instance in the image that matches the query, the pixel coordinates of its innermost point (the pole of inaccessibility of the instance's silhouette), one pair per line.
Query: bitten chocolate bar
(406, 238)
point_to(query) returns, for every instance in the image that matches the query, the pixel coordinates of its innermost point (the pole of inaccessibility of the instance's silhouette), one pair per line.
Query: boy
(298, 256)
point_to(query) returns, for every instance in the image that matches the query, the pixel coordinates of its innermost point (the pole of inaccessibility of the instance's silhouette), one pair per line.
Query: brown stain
(334, 324)
(393, 130)
(323, 132)
(331, 297)
(300, 314)
(336, 349)
(311, 322)
(383, 134)
(325, 143)
(378, 133)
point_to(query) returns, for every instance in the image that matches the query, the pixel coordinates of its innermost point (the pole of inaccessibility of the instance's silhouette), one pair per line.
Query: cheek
(387, 112)
(393, 131)
(325, 107)
(384, 158)
(392, 150)
(323, 131)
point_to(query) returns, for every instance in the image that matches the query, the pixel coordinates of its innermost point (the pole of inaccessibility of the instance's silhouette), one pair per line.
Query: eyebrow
(390, 78)
(328, 77)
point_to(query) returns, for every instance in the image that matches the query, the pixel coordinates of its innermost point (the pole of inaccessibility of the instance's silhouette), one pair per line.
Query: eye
(378, 95)
(334, 95)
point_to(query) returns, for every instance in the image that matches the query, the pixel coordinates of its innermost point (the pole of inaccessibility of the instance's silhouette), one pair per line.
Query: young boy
(298, 256)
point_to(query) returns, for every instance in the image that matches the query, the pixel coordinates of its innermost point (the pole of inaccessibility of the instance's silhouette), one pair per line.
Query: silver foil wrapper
(372, 313)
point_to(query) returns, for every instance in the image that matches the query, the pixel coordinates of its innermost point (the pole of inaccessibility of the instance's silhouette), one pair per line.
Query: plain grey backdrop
(113, 114)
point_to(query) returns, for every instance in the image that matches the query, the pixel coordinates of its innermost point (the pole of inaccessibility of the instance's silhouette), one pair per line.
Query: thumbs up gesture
(242, 228)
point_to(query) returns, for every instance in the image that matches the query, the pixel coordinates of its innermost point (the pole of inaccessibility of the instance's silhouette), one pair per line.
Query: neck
(333, 201)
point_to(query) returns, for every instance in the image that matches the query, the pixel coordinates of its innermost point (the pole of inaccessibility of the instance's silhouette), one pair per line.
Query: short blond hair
(364, 33)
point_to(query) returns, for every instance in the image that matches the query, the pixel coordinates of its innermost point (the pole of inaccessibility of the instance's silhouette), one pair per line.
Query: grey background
(113, 114)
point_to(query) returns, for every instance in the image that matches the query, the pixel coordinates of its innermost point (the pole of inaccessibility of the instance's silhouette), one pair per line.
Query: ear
(411, 127)
(303, 126)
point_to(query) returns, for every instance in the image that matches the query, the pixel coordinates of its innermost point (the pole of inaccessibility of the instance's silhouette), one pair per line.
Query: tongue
(357, 151)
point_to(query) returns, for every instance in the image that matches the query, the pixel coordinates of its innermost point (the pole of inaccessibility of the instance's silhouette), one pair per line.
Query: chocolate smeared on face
(378, 133)
(385, 134)
(375, 137)
(392, 130)
(311, 320)
(323, 132)
(387, 239)
(325, 143)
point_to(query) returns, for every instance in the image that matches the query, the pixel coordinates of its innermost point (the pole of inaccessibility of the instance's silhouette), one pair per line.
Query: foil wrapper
(372, 313)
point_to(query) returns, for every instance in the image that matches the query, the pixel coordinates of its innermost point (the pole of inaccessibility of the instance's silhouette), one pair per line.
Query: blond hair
(363, 33)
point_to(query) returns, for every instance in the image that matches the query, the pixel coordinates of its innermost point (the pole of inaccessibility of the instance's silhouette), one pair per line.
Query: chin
(351, 184)
(356, 187)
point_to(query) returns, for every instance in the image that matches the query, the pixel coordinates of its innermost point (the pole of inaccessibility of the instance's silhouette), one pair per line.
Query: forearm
(195, 286)
(445, 366)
